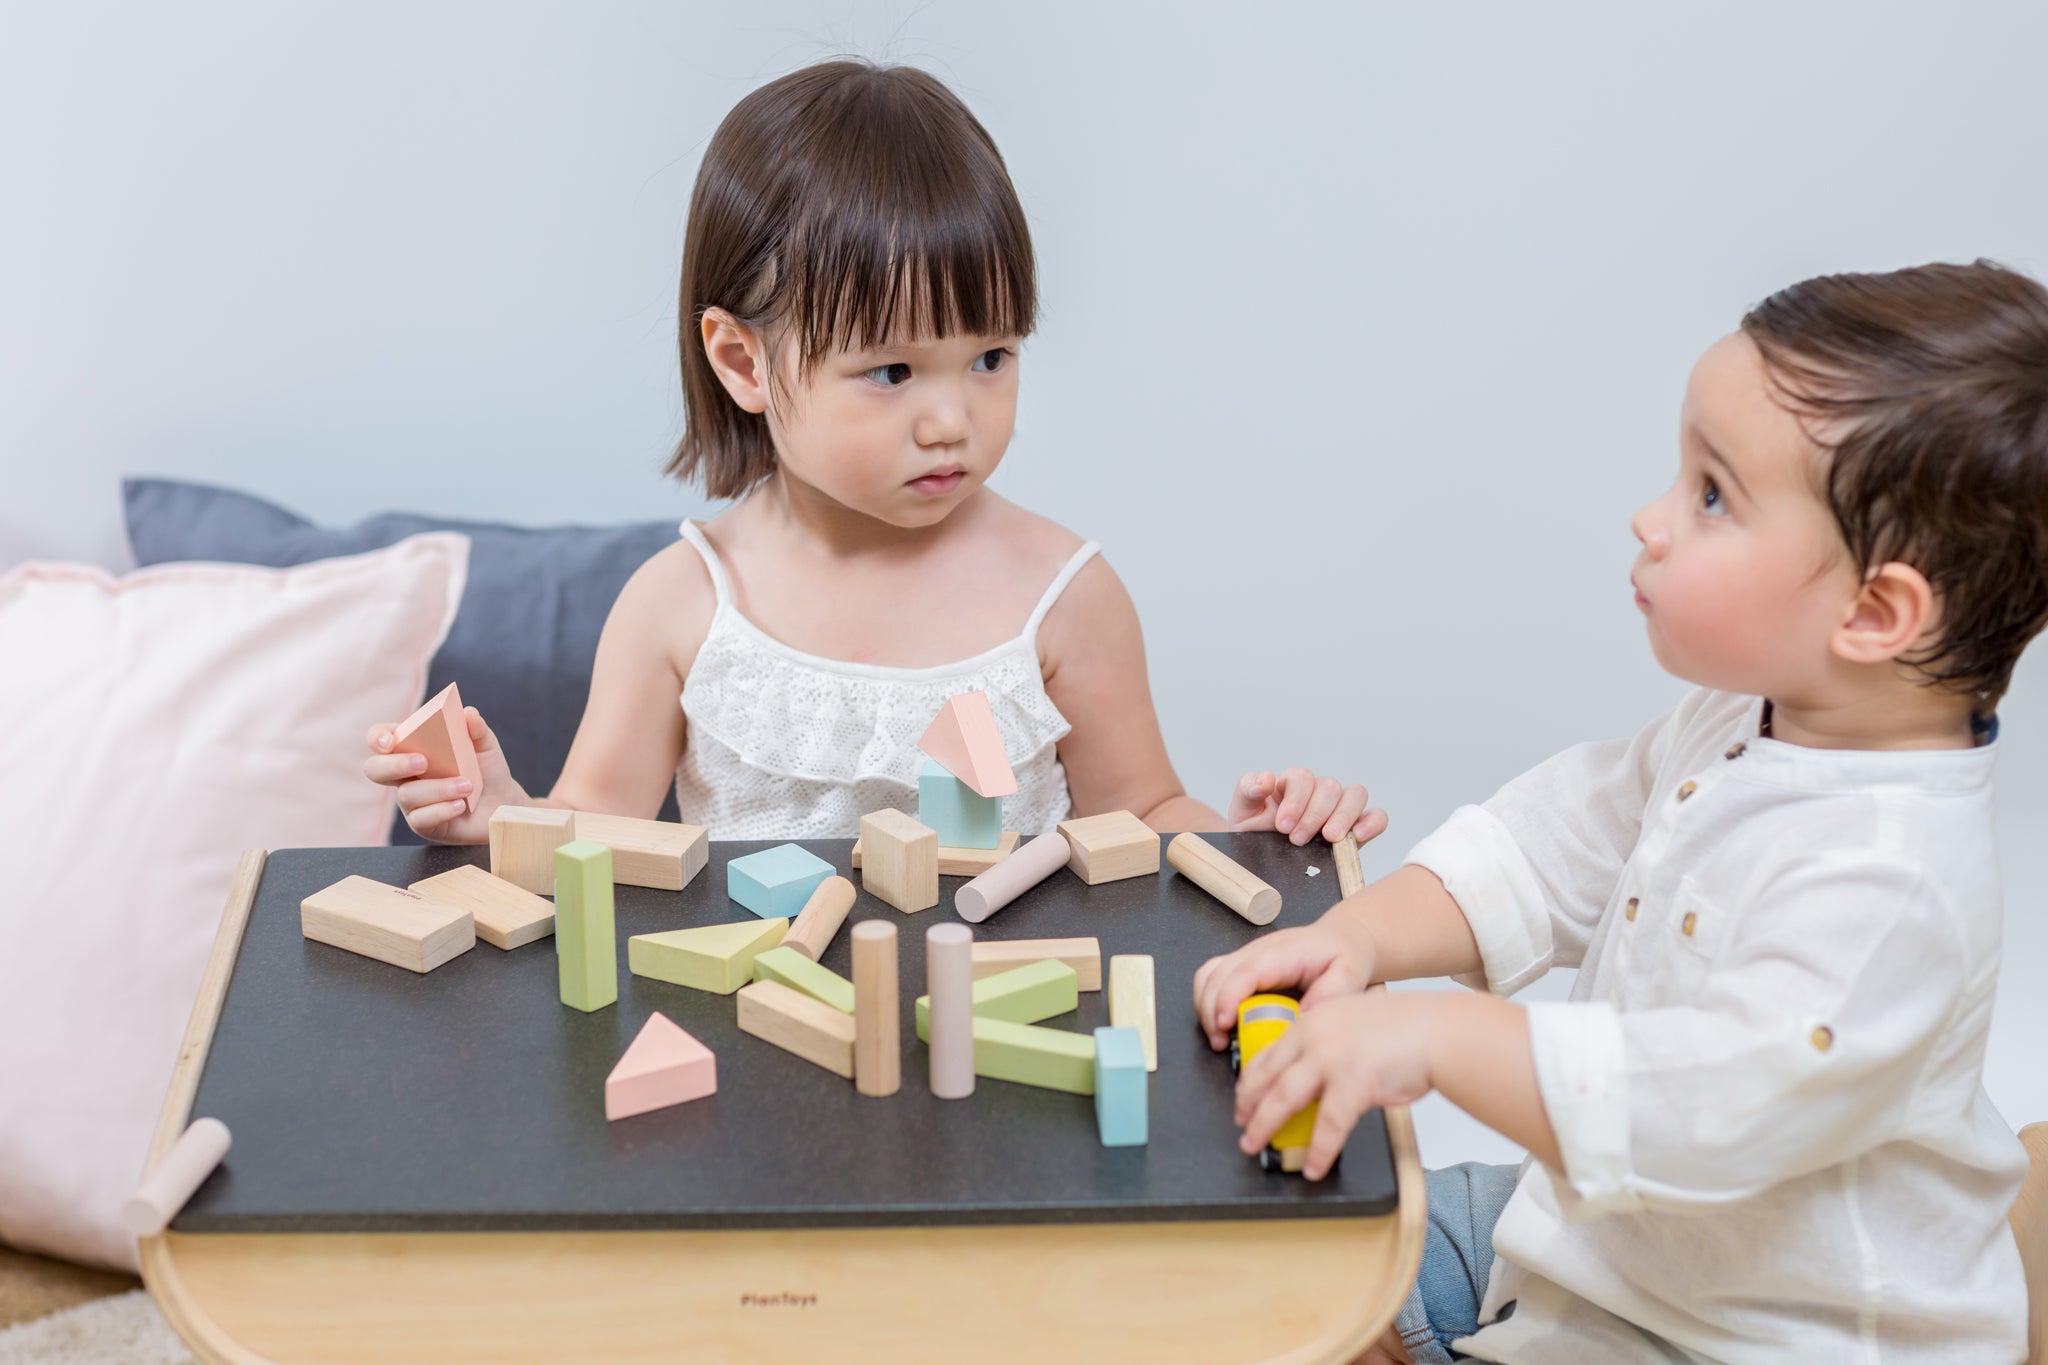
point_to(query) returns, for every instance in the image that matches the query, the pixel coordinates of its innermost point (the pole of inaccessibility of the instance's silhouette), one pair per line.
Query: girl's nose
(942, 423)
(1649, 529)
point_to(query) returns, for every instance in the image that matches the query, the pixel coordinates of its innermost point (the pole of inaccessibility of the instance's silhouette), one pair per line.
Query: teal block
(586, 943)
(776, 882)
(963, 817)
(1120, 1087)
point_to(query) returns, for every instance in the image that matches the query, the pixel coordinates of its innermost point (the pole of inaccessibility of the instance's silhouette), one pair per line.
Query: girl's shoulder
(667, 604)
(1034, 546)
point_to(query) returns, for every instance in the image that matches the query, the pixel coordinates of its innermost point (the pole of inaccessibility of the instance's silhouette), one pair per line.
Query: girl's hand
(434, 806)
(1351, 1054)
(1300, 805)
(1326, 960)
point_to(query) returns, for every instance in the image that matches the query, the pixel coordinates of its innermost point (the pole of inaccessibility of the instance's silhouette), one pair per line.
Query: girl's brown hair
(843, 204)
(1931, 390)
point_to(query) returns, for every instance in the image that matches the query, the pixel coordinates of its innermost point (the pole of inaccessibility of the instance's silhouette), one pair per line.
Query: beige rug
(125, 1329)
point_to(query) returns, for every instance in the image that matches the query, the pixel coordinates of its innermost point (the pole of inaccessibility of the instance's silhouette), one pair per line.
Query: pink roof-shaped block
(964, 741)
(664, 1066)
(440, 730)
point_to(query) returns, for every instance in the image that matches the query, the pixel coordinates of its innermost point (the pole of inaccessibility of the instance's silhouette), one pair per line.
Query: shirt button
(1687, 790)
(1738, 751)
(1631, 911)
(1823, 1038)
(1688, 924)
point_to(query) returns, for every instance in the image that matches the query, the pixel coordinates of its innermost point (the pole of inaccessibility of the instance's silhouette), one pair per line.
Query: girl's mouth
(939, 482)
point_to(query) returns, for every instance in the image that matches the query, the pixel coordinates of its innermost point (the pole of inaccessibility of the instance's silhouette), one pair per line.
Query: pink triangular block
(441, 732)
(964, 741)
(663, 1066)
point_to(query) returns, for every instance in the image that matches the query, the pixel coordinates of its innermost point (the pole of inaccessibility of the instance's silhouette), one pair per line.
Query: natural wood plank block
(506, 916)
(1132, 1002)
(388, 923)
(877, 1050)
(902, 862)
(654, 853)
(664, 1066)
(796, 1023)
(1017, 873)
(523, 844)
(946, 1014)
(1111, 847)
(785, 964)
(1052, 1059)
(1024, 995)
(440, 731)
(776, 883)
(964, 740)
(718, 958)
(1202, 863)
(822, 915)
(1120, 1087)
(586, 941)
(1084, 955)
(971, 862)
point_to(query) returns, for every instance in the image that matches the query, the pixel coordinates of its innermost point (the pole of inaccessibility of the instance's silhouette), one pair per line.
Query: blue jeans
(1457, 1256)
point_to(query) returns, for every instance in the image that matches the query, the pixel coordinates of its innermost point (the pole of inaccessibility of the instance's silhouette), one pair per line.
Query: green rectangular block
(1023, 995)
(586, 943)
(1029, 1055)
(799, 973)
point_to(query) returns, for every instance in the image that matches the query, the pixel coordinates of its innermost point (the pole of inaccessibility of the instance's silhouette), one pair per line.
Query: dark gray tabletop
(363, 1097)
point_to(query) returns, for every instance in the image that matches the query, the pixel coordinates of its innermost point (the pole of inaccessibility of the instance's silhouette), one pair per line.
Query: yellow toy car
(1260, 1020)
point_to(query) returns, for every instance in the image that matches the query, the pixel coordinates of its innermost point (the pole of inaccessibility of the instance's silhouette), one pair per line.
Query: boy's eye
(988, 362)
(1711, 499)
(890, 376)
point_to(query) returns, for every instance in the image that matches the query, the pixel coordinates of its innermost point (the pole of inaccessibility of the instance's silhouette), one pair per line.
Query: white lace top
(788, 745)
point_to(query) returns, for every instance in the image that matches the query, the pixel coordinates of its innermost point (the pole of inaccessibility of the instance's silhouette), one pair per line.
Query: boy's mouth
(940, 481)
(1642, 602)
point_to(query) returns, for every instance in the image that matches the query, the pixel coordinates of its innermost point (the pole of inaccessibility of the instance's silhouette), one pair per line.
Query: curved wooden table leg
(1290, 1291)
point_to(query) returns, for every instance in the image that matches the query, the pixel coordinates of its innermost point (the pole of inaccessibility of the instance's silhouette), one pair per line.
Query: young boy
(1757, 1131)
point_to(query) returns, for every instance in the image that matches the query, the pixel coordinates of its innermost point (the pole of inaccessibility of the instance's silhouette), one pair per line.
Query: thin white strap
(1059, 585)
(719, 583)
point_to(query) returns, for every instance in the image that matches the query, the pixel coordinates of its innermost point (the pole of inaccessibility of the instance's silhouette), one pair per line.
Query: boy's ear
(737, 358)
(1892, 613)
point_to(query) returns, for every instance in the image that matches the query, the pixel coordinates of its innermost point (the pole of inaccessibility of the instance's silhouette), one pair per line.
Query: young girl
(857, 278)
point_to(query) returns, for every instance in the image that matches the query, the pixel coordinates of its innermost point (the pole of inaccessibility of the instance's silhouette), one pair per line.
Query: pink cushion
(152, 728)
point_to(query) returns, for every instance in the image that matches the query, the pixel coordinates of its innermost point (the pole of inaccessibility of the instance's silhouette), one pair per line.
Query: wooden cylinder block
(949, 977)
(1198, 860)
(1012, 877)
(820, 919)
(877, 1052)
(176, 1178)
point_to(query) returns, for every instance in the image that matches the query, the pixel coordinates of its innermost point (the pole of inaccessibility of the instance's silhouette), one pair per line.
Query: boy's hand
(1351, 1053)
(1300, 805)
(1331, 958)
(434, 806)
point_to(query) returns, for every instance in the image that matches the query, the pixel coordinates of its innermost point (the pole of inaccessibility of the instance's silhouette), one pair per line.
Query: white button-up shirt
(1766, 1087)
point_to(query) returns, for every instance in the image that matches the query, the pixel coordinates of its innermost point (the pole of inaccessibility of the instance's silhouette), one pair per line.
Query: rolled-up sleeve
(1802, 1050)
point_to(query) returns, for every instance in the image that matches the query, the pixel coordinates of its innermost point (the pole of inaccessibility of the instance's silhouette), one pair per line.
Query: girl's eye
(890, 376)
(1711, 499)
(988, 362)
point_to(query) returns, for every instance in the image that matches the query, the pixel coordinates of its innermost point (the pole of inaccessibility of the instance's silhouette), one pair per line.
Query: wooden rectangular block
(1084, 955)
(1049, 1058)
(388, 923)
(1024, 995)
(964, 862)
(1132, 1002)
(506, 916)
(713, 957)
(902, 861)
(776, 883)
(796, 1023)
(1120, 1087)
(799, 973)
(586, 942)
(523, 844)
(654, 853)
(959, 815)
(1111, 847)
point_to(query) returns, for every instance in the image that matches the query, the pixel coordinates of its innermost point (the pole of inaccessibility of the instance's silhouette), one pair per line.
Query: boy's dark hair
(1930, 385)
(846, 203)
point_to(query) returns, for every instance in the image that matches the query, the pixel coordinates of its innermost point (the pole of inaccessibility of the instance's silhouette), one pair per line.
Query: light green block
(799, 973)
(1023, 995)
(586, 944)
(1030, 1055)
(714, 957)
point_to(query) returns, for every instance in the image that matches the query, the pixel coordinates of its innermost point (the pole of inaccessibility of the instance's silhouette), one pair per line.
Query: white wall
(1364, 327)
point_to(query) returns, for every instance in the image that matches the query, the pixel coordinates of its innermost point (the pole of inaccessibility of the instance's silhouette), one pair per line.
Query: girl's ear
(737, 358)
(1890, 615)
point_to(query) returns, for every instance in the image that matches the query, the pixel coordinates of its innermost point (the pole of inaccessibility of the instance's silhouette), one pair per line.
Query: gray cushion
(524, 636)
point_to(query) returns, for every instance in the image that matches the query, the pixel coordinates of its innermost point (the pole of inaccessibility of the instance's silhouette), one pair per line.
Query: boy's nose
(1650, 531)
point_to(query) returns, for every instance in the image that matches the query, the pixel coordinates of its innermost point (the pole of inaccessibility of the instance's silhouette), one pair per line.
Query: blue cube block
(1120, 1087)
(963, 817)
(776, 882)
